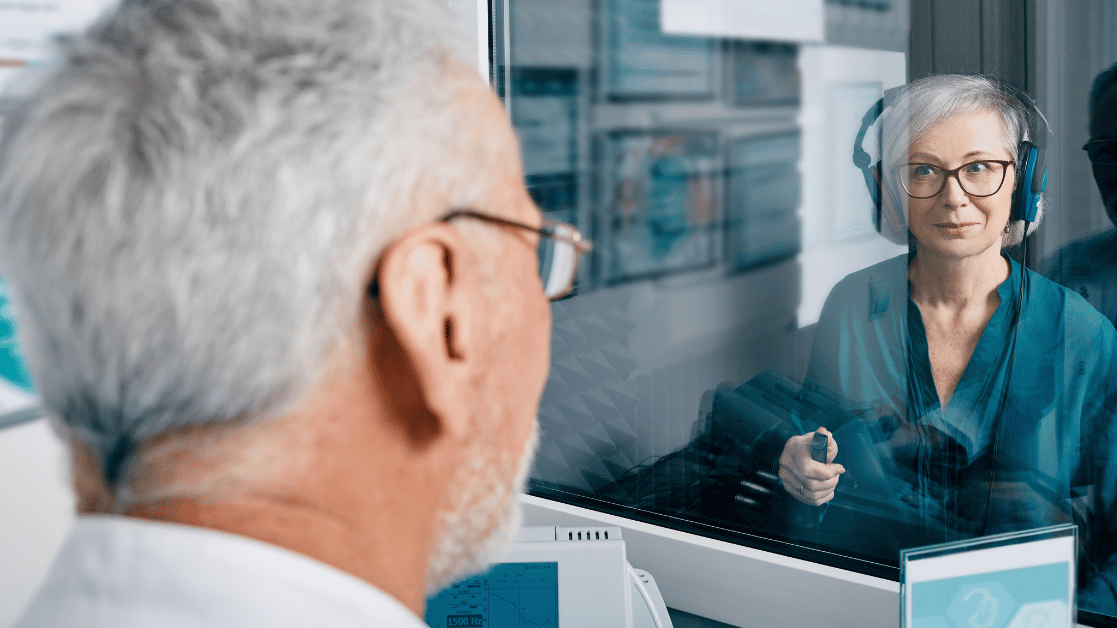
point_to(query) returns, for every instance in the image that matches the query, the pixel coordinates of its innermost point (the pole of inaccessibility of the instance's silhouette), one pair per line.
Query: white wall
(36, 511)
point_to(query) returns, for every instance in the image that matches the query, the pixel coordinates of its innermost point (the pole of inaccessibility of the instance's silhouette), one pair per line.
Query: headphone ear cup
(894, 215)
(873, 183)
(888, 216)
(1024, 171)
(1025, 198)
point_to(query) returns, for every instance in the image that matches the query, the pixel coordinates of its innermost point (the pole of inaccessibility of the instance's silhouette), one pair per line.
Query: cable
(1008, 377)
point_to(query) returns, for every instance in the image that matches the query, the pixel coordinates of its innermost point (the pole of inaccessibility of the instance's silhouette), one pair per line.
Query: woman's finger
(819, 471)
(820, 485)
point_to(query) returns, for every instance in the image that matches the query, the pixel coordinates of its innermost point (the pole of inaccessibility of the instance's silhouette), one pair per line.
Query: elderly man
(1089, 266)
(299, 382)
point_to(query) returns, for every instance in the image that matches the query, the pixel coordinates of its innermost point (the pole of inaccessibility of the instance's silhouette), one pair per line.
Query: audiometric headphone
(1031, 164)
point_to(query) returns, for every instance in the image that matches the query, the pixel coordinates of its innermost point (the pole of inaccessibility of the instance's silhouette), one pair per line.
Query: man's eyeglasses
(1102, 152)
(977, 178)
(560, 245)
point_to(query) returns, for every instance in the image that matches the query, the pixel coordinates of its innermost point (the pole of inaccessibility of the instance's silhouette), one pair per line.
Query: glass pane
(751, 283)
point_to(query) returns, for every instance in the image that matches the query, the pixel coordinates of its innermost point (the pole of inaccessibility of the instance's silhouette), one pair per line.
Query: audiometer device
(553, 577)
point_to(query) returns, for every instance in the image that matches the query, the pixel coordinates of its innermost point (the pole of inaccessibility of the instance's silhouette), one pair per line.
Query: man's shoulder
(1083, 325)
(1089, 268)
(1087, 256)
(183, 576)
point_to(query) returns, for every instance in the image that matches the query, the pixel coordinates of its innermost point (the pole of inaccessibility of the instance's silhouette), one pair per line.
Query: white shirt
(119, 572)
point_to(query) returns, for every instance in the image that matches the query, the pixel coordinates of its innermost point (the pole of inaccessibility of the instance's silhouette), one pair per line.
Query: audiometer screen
(989, 583)
(508, 595)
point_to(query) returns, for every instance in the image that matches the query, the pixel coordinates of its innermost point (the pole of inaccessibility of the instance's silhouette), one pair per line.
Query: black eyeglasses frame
(552, 229)
(1097, 158)
(547, 229)
(954, 173)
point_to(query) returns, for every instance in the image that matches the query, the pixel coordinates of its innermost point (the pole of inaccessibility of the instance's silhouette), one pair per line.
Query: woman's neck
(956, 283)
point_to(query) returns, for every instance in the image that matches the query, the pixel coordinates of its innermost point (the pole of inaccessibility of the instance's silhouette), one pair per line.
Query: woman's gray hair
(926, 103)
(190, 205)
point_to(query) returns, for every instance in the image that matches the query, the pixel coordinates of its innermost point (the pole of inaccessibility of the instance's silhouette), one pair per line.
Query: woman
(985, 422)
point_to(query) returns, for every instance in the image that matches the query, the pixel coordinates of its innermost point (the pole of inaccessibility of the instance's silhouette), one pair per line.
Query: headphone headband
(861, 158)
(1037, 123)
(1031, 155)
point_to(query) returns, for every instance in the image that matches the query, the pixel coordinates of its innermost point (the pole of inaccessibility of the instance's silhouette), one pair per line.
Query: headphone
(1031, 164)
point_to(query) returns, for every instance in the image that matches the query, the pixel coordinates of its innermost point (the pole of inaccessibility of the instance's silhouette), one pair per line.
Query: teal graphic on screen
(508, 595)
(12, 369)
(1015, 598)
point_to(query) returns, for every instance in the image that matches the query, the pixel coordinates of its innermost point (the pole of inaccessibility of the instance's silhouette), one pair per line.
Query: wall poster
(660, 205)
(763, 200)
(641, 62)
(764, 73)
(544, 107)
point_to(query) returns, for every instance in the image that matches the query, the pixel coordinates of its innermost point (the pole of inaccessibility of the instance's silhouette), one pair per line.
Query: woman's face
(953, 223)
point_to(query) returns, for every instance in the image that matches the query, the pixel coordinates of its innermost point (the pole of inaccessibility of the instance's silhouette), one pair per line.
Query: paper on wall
(769, 20)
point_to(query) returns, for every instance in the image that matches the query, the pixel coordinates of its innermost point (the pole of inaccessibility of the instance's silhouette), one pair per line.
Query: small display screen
(1006, 581)
(1029, 596)
(508, 595)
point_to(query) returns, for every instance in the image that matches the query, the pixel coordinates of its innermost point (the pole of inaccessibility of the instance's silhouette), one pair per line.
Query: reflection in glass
(1089, 265)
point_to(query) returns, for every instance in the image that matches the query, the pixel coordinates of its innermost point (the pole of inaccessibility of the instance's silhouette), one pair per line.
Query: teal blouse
(1026, 439)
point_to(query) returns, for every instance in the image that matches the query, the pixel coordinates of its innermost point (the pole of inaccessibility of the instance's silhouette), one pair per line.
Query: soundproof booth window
(837, 306)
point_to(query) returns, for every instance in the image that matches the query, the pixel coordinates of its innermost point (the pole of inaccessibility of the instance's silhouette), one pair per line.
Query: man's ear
(426, 352)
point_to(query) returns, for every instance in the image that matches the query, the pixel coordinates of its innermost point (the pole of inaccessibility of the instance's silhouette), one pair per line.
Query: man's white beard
(484, 513)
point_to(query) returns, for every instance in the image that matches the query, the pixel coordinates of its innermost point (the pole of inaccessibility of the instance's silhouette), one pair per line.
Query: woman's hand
(805, 479)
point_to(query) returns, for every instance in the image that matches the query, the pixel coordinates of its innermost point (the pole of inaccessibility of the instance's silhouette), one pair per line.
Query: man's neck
(377, 554)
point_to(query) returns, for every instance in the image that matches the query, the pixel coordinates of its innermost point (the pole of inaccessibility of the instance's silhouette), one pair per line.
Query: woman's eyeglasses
(560, 245)
(977, 178)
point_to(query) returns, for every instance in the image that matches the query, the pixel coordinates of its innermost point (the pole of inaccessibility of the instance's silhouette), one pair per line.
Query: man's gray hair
(927, 103)
(190, 205)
